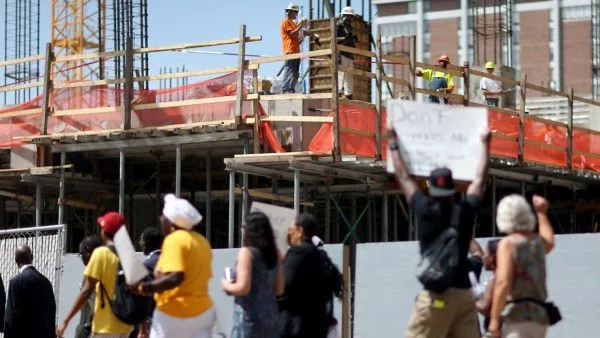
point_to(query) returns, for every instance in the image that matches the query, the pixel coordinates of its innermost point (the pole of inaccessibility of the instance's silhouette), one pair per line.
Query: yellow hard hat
(490, 65)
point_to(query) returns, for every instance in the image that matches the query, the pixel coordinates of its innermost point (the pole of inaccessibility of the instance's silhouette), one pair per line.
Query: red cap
(111, 222)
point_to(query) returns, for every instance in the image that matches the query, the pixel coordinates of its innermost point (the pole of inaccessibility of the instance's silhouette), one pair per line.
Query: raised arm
(408, 185)
(477, 187)
(540, 205)
(243, 281)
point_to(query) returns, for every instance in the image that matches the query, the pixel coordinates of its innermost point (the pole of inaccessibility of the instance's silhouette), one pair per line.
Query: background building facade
(552, 41)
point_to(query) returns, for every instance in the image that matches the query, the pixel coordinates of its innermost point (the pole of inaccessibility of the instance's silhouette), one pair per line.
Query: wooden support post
(256, 113)
(335, 107)
(43, 152)
(239, 96)
(570, 132)
(349, 274)
(47, 88)
(328, 216)
(467, 83)
(128, 88)
(413, 67)
(521, 138)
(378, 99)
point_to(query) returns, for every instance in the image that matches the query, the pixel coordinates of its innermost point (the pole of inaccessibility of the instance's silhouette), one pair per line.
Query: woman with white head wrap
(183, 307)
(520, 278)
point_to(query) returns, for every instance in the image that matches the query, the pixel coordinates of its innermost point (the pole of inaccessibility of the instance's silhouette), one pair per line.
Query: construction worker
(439, 81)
(290, 31)
(346, 37)
(491, 89)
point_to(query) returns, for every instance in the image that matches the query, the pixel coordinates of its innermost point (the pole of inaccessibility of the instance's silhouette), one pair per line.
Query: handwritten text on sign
(280, 218)
(432, 136)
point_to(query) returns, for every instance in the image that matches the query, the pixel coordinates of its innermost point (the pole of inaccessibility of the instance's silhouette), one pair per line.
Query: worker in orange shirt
(290, 31)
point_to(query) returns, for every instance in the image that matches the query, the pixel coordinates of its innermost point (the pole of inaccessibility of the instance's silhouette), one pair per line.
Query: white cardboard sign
(133, 268)
(431, 136)
(280, 218)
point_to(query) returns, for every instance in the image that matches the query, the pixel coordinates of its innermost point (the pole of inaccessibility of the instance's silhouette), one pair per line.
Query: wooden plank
(90, 83)
(22, 60)
(21, 113)
(295, 96)
(21, 86)
(504, 137)
(277, 157)
(378, 99)
(239, 93)
(504, 80)
(15, 196)
(570, 132)
(546, 90)
(586, 130)
(584, 100)
(301, 119)
(521, 138)
(546, 121)
(83, 111)
(585, 153)
(544, 145)
(357, 72)
(357, 103)
(272, 197)
(35, 170)
(182, 46)
(311, 54)
(356, 51)
(47, 89)
(396, 59)
(450, 71)
(335, 104)
(185, 103)
(79, 204)
(496, 109)
(197, 45)
(397, 80)
(450, 96)
(358, 132)
(193, 73)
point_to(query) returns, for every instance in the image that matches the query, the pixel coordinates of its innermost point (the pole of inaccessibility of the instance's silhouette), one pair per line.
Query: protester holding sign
(446, 306)
(183, 307)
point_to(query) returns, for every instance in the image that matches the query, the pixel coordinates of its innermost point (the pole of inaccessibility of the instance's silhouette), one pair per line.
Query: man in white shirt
(491, 89)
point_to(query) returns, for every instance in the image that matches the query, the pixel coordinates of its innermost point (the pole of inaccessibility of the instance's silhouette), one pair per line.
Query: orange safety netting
(547, 147)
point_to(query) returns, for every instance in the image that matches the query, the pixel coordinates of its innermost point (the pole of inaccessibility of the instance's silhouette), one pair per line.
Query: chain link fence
(46, 243)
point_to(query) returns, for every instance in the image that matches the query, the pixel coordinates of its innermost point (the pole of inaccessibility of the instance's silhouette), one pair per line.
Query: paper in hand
(133, 268)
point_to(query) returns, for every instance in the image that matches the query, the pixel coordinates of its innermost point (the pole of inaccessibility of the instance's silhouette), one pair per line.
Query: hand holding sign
(431, 136)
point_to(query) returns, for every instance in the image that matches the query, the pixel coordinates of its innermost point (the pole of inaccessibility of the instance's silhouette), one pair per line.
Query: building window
(551, 34)
(412, 7)
(398, 28)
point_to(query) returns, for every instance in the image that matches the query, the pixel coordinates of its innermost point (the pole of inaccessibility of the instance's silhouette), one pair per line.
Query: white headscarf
(181, 212)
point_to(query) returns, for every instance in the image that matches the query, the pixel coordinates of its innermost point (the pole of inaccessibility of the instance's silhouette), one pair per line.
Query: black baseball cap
(441, 183)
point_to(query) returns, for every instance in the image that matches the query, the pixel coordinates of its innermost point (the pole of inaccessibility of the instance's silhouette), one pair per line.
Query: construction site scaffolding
(491, 23)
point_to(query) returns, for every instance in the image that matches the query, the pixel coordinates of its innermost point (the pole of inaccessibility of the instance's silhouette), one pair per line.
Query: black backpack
(439, 263)
(335, 280)
(127, 306)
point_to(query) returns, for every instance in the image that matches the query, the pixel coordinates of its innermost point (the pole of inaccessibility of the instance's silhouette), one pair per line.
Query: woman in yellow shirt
(183, 307)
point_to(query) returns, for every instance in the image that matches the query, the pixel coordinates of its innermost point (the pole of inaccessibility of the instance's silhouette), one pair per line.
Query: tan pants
(523, 330)
(451, 314)
(345, 80)
(110, 335)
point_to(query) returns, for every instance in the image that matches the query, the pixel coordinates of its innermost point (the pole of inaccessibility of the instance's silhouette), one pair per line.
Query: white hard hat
(348, 11)
(292, 7)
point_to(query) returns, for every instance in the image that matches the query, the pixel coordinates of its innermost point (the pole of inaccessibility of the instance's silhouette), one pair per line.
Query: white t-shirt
(491, 85)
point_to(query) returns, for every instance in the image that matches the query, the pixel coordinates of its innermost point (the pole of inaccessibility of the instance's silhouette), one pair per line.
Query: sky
(184, 21)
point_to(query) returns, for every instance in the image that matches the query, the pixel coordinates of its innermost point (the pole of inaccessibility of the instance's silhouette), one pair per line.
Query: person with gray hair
(520, 278)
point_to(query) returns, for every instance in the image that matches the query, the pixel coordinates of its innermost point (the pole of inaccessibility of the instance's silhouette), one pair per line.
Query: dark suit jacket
(30, 307)
(304, 308)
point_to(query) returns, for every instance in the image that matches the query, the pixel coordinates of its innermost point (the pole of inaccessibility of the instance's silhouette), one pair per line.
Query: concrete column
(464, 24)
(38, 204)
(556, 20)
(231, 208)
(122, 181)
(420, 42)
(178, 170)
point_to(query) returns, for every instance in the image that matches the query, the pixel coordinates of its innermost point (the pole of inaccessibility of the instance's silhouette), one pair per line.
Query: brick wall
(577, 56)
(444, 39)
(535, 49)
(398, 8)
